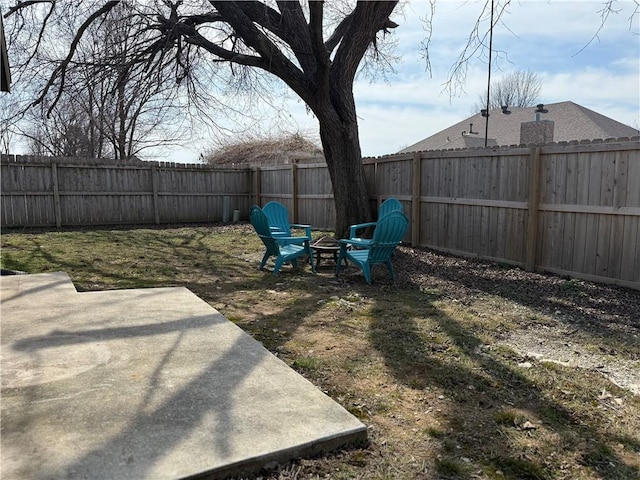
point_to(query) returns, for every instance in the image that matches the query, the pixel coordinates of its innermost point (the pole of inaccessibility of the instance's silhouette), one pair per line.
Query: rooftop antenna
(485, 112)
(540, 109)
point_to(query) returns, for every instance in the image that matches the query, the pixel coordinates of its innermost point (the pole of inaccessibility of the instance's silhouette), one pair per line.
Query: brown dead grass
(431, 363)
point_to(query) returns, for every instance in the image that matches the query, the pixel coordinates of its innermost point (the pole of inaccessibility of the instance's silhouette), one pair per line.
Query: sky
(558, 40)
(548, 38)
(577, 58)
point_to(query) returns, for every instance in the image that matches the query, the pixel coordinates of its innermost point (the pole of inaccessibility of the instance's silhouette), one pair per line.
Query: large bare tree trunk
(341, 146)
(347, 177)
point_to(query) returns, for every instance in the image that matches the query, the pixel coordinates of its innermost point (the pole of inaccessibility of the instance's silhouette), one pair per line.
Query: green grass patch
(309, 364)
(451, 469)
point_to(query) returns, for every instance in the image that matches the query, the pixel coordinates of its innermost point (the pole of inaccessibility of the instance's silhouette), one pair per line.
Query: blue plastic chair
(389, 205)
(389, 232)
(283, 248)
(278, 216)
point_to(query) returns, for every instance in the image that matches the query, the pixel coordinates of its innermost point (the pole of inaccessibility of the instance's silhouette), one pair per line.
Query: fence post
(415, 200)
(294, 190)
(535, 160)
(154, 186)
(376, 181)
(226, 207)
(56, 194)
(257, 185)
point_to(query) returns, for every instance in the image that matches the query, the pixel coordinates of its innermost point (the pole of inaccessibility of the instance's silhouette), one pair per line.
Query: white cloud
(387, 130)
(616, 95)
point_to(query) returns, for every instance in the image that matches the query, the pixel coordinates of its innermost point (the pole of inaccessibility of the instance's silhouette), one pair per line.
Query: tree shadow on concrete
(208, 398)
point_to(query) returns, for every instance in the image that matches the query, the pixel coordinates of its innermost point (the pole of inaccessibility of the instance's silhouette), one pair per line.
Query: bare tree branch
(605, 12)
(321, 54)
(337, 35)
(24, 4)
(174, 37)
(516, 89)
(274, 61)
(369, 18)
(604, 15)
(476, 42)
(426, 43)
(61, 69)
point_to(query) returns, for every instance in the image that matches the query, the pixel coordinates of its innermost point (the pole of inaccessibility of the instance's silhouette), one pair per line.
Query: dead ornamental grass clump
(256, 150)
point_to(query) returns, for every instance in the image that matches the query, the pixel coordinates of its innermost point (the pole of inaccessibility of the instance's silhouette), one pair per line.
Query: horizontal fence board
(281, 197)
(202, 194)
(476, 201)
(601, 210)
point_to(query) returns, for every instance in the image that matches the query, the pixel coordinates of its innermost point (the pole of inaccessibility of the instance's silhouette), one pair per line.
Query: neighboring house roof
(5, 76)
(570, 122)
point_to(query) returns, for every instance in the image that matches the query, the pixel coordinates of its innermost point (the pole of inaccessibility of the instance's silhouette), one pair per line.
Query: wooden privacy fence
(305, 189)
(69, 191)
(571, 209)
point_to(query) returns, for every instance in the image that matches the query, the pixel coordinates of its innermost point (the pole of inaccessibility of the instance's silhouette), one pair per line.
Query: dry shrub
(280, 149)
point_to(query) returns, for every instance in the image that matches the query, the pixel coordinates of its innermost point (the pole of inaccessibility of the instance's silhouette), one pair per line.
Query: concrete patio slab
(146, 384)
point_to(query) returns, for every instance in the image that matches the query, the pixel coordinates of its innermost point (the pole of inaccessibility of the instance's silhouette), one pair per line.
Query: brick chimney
(536, 133)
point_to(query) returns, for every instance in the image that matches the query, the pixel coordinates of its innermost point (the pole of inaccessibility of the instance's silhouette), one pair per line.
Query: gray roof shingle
(571, 122)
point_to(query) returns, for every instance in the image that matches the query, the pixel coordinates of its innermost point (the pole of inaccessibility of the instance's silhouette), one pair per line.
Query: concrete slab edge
(354, 438)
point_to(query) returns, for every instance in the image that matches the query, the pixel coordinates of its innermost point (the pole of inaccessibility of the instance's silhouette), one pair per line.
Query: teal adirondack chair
(278, 216)
(389, 205)
(283, 248)
(389, 232)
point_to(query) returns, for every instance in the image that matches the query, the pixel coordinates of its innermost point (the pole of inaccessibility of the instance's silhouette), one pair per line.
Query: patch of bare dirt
(558, 319)
(558, 345)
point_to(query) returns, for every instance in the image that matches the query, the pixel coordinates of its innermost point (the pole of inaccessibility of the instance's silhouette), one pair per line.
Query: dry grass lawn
(461, 369)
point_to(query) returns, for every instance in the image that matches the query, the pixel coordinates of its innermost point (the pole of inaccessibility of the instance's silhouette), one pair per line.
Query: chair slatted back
(389, 205)
(278, 216)
(389, 232)
(260, 224)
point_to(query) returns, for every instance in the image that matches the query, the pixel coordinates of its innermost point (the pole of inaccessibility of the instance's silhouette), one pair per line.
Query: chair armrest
(306, 228)
(290, 240)
(354, 228)
(357, 242)
(278, 232)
